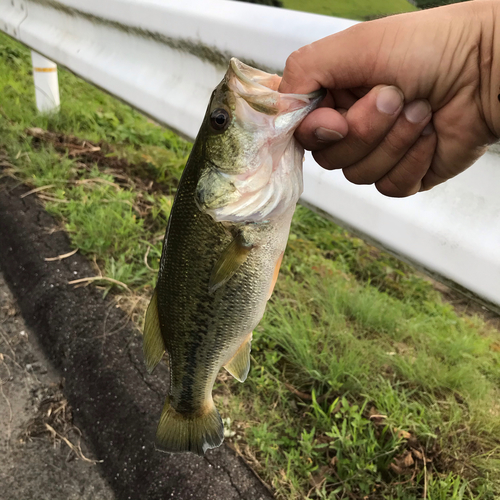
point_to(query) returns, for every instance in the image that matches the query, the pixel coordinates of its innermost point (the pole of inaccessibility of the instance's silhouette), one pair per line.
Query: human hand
(412, 99)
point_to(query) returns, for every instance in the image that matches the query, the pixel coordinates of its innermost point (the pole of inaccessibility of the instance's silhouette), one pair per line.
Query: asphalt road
(37, 467)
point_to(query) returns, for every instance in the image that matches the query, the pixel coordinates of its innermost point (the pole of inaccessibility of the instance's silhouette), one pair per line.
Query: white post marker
(46, 83)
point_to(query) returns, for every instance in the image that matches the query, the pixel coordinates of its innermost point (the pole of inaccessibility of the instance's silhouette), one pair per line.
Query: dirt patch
(465, 305)
(115, 402)
(106, 158)
(35, 462)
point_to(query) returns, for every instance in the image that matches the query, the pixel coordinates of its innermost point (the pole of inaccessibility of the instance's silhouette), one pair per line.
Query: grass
(351, 9)
(365, 384)
(112, 219)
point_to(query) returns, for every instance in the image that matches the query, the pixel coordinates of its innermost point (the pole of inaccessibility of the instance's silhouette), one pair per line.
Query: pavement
(34, 465)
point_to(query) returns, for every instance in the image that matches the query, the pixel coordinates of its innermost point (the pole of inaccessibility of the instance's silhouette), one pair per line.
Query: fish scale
(198, 326)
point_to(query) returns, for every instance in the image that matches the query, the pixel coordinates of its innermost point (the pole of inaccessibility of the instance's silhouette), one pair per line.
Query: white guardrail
(164, 57)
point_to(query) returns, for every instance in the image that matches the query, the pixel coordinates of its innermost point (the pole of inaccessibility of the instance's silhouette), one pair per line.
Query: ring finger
(369, 120)
(405, 132)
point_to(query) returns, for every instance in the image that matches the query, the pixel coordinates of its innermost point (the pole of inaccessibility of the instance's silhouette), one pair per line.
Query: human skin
(413, 99)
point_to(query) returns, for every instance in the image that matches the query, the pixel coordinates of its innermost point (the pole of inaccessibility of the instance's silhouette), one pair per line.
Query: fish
(223, 247)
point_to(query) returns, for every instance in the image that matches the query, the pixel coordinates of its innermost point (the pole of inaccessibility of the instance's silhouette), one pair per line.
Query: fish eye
(219, 119)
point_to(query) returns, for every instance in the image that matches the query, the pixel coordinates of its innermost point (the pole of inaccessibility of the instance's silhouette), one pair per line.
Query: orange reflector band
(44, 70)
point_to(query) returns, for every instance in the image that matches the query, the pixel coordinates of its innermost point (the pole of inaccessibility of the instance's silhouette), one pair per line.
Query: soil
(106, 158)
(89, 342)
(466, 305)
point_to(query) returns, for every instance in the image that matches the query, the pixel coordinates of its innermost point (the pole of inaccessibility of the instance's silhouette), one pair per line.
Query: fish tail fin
(197, 433)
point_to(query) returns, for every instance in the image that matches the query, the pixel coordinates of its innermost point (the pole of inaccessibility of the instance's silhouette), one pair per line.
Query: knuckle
(388, 187)
(394, 146)
(356, 176)
(417, 157)
(405, 177)
(402, 178)
(364, 133)
(426, 185)
(324, 160)
(292, 61)
(294, 65)
(433, 178)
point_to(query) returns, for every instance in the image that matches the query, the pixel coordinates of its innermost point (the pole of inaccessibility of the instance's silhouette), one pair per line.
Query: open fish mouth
(253, 80)
(260, 90)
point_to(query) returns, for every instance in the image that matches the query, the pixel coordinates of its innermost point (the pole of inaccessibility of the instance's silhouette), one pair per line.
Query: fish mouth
(260, 90)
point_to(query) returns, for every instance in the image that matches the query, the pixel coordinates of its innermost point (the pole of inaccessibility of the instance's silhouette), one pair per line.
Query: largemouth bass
(223, 247)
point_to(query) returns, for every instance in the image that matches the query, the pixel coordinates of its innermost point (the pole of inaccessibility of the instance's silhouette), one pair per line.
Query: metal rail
(164, 57)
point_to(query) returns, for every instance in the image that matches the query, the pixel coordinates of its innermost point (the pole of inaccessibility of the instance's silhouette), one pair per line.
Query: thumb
(344, 60)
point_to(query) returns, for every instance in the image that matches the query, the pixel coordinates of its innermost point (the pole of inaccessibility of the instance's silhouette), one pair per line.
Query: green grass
(117, 222)
(364, 384)
(351, 9)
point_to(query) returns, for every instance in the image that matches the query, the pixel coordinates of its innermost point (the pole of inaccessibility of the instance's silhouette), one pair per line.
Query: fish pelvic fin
(275, 275)
(231, 259)
(239, 365)
(195, 433)
(153, 345)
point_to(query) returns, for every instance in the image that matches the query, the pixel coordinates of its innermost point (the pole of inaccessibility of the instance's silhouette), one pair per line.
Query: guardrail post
(46, 83)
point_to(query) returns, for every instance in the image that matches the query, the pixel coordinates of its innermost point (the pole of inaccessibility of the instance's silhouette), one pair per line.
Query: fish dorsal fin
(239, 365)
(231, 259)
(152, 343)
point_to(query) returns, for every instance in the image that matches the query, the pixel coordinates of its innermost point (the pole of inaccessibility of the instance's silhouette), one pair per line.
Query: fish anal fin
(275, 275)
(196, 433)
(153, 345)
(239, 365)
(231, 259)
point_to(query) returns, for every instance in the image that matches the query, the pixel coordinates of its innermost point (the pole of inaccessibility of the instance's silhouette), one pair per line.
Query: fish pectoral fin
(239, 365)
(153, 346)
(195, 433)
(231, 259)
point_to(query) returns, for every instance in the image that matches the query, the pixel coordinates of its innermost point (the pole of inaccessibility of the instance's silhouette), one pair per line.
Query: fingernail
(389, 100)
(429, 129)
(327, 135)
(417, 111)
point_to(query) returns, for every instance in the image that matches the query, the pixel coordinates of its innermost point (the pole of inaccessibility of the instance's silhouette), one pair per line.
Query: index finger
(342, 60)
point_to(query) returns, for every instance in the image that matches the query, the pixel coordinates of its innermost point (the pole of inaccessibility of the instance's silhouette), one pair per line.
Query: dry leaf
(395, 468)
(402, 434)
(408, 459)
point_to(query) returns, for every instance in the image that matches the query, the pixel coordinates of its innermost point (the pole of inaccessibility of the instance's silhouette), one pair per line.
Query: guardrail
(164, 57)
